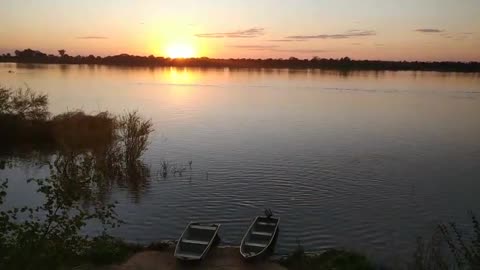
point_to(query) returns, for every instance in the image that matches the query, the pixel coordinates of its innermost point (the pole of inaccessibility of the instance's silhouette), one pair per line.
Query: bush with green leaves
(50, 235)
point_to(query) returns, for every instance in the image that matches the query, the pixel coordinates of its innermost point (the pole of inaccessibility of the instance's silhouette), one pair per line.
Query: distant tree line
(345, 63)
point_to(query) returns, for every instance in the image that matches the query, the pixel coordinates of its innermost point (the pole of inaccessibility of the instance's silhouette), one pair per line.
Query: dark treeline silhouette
(33, 56)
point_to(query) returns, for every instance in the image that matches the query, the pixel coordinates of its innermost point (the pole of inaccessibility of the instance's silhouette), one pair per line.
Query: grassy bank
(330, 259)
(115, 254)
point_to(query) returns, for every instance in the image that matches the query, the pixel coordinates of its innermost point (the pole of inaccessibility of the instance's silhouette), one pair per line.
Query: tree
(61, 52)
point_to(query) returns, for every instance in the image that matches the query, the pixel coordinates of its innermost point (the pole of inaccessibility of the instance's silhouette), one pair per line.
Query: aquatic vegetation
(102, 144)
(164, 169)
(78, 131)
(89, 154)
(449, 248)
(133, 135)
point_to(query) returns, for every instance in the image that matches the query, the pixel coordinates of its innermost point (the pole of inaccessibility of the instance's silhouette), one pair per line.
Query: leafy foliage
(92, 152)
(24, 103)
(51, 234)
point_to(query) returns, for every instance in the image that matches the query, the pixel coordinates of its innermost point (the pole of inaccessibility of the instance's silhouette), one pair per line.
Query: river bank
(227, 258)
(161, 256)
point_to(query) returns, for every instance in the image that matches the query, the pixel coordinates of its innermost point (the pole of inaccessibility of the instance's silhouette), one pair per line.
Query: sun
(180, 51)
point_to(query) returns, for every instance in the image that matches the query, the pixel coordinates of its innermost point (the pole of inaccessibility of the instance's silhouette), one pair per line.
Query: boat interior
(260, 235)
(195, 240)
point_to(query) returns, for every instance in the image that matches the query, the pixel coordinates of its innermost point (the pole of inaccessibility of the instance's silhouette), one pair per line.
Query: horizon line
(245, 58)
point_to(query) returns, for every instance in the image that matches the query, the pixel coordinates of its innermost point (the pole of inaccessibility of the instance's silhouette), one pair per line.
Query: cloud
(348, 34)
(273, 48)
(248, 33)
(458, 36)
(429, 30)
(285, 40)
(92, 37)
(306, 51)
(254, 47)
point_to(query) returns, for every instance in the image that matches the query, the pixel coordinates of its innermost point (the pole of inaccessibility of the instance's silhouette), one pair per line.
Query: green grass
(330, 259)
(107, 250)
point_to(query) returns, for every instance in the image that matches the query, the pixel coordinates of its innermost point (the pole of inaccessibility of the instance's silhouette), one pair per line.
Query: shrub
(49, 235)
(25, 103)
(449, 248)
(464, 246)
(134, 132)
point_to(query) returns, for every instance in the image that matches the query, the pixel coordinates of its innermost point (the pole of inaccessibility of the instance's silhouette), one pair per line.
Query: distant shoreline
(343, 64)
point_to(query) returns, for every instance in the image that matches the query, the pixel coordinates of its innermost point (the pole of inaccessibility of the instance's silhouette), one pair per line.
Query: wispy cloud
(274, 48)
(285, 40)
(248, 33)
(348, 34)
(92, 37)
(254, 47)
(302, 51)
(457, 36)
(429, 30)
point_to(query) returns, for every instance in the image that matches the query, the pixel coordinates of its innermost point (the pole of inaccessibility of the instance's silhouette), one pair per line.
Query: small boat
(259, 237)
(196, 241)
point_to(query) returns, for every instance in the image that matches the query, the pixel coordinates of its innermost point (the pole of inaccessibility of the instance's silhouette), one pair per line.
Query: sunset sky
(367, 29)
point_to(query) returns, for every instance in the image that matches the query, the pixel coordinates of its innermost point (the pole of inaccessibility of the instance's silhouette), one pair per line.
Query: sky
(426, 30)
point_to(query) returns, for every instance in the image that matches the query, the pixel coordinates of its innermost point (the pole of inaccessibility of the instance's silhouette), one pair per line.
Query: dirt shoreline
(227, 258)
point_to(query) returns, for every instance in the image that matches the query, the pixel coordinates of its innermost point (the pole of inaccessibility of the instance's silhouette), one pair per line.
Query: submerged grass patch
(74, 131)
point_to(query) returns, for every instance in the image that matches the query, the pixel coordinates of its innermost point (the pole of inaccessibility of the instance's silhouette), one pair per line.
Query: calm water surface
(363, 160)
